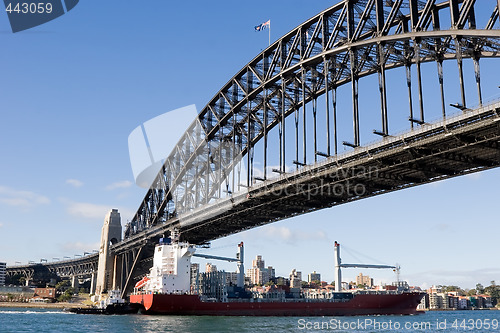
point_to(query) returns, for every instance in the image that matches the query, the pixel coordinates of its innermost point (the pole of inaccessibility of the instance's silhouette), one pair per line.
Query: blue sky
(73, 89)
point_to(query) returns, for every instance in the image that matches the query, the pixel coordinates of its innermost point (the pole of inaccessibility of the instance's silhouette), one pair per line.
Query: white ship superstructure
(171, 271)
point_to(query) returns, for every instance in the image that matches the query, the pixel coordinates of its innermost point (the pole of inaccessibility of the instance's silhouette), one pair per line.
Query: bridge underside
(458, 146)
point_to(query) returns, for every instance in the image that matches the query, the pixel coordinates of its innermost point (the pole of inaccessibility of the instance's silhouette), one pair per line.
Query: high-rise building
(364, 280)
(258, 274)
(209, 267)
(231, 278)
(258, 262)
(3, 268)
(295, 279)
(313, 277)
(271, 272)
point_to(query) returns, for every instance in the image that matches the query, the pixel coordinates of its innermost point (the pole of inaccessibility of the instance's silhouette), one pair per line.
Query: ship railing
(286, 300)
(377, 292)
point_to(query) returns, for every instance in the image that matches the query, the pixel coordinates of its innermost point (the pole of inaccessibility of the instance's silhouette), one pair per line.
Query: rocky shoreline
(60, 305)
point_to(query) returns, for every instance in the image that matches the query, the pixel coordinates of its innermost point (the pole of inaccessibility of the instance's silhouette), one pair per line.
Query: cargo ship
(168, 289)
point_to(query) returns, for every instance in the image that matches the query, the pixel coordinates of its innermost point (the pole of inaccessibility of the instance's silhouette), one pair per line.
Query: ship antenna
(397, 270)
(174, 234)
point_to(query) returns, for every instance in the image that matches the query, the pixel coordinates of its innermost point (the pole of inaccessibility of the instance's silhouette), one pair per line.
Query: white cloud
(93, 211)
(464, 278)
(79, 247)
(290, 236)
(74, 182)
(18, 198)
(120, 184)
(86, 210)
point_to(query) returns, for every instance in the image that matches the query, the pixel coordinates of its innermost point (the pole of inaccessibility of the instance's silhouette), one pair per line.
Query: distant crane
(339, 265)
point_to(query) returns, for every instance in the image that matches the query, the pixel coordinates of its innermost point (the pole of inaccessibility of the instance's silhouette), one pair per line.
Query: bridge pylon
(111, 234)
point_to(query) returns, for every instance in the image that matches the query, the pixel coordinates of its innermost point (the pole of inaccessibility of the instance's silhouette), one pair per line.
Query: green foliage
(63, 285)
(494, 292)
(67, 295)
(448, 289)
(479, 288)
(470, 292)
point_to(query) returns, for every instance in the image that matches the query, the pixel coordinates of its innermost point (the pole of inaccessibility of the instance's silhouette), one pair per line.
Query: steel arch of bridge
(351, 40)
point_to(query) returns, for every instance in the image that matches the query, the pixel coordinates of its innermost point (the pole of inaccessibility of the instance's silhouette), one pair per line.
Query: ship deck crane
(239, 260)
(339, 265)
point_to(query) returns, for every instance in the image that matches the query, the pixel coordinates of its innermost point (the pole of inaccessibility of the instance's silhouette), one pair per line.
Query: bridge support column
(111, 234)
(74, 282)
(92, 283)
(460, 71)
(408, 83)
(117, 272)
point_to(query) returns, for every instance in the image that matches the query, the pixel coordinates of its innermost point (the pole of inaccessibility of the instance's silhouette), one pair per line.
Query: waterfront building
(435, 301)
(321, 293)
(424, 303)
(45, 293)
(463, 303)
(269, 293)
(3, 268)
(313, 277)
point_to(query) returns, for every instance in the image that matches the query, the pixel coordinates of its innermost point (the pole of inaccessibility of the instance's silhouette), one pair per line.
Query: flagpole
(269, 32)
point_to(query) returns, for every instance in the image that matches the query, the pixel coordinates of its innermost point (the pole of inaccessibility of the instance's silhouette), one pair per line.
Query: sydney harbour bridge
(267, 147)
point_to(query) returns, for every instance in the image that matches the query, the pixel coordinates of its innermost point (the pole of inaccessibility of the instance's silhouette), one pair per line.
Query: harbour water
(42, 320)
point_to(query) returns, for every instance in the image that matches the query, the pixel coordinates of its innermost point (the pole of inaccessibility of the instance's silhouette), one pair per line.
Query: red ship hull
(362, 304)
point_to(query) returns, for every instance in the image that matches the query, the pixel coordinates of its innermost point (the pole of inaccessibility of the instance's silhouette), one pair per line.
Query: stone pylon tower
(111, 234)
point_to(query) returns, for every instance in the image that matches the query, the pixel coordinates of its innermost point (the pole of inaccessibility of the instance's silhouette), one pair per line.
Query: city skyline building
(314, 276)
(364, 280)
(295, 279)
(3, 267)
(258, 274)
(209, 267)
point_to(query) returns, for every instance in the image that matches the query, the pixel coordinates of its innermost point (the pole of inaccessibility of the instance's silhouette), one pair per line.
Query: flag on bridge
(263, 26)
